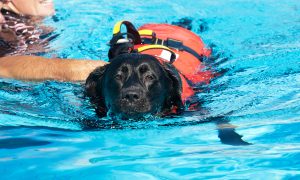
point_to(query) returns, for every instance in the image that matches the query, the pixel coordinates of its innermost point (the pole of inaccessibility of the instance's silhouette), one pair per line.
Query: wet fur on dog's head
(134, 85)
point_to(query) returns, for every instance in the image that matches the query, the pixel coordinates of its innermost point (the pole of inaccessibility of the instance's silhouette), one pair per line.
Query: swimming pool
(259, 47)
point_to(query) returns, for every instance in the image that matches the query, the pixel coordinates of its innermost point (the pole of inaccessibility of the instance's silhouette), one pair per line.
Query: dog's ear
(93, 87)
(94, 80)
(173, 100)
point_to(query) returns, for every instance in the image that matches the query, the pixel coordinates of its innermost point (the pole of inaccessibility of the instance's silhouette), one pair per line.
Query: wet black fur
(95, 84)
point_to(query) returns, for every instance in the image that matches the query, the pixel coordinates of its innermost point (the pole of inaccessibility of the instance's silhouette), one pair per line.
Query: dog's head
(134, 85)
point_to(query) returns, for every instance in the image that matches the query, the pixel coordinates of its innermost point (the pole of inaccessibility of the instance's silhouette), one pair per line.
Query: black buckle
(147, 41)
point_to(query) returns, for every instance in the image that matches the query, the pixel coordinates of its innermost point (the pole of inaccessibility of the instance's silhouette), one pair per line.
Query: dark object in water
(203, 26)
(184, 22)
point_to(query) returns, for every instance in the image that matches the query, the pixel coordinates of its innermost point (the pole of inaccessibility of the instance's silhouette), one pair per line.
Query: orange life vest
(191, 69)
(164, 41)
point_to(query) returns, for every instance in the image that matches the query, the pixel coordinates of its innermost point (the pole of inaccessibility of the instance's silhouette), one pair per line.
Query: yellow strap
(117, 27)
(145, 32)
(144, 48)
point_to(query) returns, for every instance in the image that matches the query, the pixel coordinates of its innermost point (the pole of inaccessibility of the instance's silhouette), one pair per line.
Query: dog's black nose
(131, 96)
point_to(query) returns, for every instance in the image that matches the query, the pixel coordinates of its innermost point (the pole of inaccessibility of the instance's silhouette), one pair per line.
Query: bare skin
(36, 8)
(30, 7)
(2, 20)
(35, 68)
(38, 68)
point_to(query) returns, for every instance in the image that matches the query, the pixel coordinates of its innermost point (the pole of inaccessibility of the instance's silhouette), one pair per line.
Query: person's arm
(36, 68)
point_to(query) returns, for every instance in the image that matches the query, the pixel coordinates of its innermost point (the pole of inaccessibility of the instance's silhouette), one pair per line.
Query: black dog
(134, 85)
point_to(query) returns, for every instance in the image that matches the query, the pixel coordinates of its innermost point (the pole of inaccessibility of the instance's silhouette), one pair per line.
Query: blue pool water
(259, 47)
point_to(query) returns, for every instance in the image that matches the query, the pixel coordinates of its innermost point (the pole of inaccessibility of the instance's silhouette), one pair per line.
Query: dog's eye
(124, 69)
(143, 69)
(149, 77)
(118, 77)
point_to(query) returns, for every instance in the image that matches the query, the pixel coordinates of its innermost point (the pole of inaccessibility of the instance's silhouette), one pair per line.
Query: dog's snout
(132, 95)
